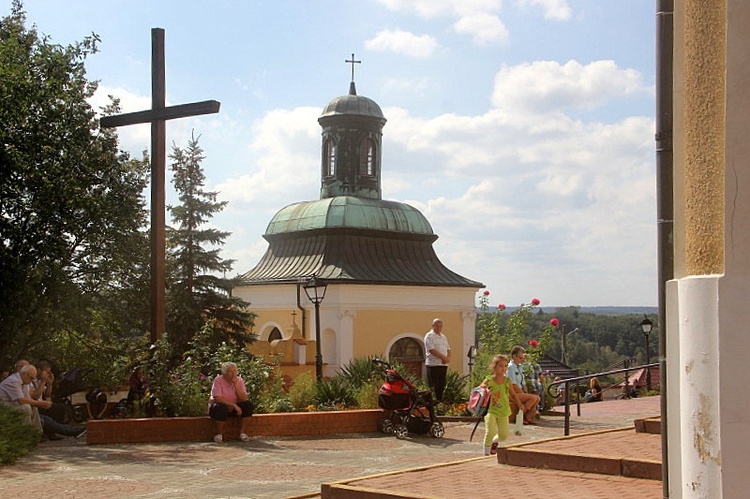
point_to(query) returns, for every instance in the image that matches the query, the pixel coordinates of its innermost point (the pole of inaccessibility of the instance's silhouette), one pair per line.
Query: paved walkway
(284, 467)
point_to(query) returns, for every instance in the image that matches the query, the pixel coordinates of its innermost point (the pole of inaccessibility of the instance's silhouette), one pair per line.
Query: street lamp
(315, 289)
(564, 333)
(646, 326)
(472, 354)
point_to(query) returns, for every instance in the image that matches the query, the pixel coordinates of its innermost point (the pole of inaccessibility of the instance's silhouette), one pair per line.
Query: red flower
(535, 301)
(554, 322)
(533, 343)
(486, 292)
(501, 306)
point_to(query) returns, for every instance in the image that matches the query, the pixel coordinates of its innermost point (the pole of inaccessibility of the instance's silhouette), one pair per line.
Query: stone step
(622, 452)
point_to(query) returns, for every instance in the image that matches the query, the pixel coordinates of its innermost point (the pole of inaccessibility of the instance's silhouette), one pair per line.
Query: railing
(576, 380)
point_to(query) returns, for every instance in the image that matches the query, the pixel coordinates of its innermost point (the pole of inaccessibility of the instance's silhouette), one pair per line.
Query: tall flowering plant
(498, 332)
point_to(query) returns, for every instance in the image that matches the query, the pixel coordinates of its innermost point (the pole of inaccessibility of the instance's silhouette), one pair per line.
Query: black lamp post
(472, 354)
(646, 326)
(315, 289)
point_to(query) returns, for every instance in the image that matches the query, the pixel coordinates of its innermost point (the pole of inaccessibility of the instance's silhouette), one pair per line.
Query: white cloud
(435, 8)
(403, 42)
(553, 9)
(484, 28)
(546, 86)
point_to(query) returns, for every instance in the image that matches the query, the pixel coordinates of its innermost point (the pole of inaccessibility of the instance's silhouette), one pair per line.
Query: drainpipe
(304, 318)
(664, 200)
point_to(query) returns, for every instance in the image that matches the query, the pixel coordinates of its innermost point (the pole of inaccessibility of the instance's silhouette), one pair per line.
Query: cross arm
(167, 113)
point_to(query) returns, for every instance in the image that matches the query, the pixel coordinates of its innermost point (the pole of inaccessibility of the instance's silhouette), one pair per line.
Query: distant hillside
(602, 310)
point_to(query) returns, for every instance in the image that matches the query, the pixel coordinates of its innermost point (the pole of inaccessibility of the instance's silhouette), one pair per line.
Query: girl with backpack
(496, 421)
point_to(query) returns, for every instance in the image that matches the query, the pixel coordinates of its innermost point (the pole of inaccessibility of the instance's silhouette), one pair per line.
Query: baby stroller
(408, 410)
(70, 382)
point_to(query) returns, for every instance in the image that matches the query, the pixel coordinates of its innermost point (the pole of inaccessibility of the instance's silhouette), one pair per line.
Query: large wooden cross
(157, 116)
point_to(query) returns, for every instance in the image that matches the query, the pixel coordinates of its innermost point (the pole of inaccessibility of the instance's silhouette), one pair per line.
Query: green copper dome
(349, 212)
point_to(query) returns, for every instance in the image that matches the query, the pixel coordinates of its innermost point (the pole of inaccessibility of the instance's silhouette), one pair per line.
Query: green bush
(361, 371)
(302, 392)
(17, 439)
(334, 393)
(456, 390)
(367, 395)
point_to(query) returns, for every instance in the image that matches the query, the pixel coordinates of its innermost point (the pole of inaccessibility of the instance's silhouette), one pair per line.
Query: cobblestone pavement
(271, 467)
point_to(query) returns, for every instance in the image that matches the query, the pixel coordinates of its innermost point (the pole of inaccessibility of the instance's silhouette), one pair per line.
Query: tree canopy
(71, 204)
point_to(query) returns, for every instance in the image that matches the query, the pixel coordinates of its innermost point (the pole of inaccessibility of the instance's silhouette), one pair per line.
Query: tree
(197, 294)
(72, 210)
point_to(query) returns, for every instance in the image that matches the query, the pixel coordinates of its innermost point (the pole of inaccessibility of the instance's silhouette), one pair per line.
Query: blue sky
(522, 129)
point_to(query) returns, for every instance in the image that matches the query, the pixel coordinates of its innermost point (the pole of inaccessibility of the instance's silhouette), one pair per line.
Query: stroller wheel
(385, 426)
(401, 431)
(437, 430)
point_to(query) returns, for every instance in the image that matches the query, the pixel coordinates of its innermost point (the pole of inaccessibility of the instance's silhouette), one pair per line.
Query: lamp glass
(315, 289)
(646, 325)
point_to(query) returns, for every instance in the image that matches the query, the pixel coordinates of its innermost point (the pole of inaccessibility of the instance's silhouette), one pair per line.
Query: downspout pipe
(664, 199)
(304, 316)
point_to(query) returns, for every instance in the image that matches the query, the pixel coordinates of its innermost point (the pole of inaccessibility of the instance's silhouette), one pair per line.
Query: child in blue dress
(496, 421)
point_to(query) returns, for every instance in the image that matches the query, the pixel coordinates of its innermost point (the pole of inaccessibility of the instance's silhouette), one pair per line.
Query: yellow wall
(375, 329)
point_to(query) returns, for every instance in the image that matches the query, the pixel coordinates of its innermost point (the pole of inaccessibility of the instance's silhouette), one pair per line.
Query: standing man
(437, 358)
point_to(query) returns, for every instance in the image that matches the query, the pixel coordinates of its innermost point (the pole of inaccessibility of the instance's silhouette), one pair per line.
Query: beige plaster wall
(704, 52)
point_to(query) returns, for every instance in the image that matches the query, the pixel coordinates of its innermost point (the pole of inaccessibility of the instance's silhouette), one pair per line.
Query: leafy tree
(196, 293)
(71, 205)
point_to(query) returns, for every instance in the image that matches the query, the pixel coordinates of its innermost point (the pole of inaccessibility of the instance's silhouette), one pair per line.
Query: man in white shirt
(15, 392)
(516, 375)
(437, 358)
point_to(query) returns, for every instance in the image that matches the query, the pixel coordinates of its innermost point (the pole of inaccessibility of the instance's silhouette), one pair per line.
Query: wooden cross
(353, 62)
(157, 116)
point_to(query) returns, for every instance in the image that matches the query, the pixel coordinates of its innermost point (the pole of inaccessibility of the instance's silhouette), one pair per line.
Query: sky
(522, 129)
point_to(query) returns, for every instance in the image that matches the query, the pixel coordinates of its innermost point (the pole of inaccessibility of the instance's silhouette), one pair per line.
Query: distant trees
(196, 293)
(601, 340)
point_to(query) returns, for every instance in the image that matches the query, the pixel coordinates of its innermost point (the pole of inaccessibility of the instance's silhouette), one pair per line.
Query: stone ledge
(146, 430)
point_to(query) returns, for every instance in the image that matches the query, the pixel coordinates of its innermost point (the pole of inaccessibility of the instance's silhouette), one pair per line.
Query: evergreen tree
(197, 295)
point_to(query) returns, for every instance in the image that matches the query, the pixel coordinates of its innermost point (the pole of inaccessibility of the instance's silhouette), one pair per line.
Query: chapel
(384, 282)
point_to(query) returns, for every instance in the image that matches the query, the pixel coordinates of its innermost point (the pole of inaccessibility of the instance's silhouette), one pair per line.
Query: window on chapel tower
(367, 157)
(329, 158)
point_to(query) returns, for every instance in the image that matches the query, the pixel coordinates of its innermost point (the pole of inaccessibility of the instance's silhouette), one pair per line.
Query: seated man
(15, 392)
(229, 398)
(518, 379)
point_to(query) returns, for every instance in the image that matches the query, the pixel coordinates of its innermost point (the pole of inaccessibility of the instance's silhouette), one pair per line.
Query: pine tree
(197, 295)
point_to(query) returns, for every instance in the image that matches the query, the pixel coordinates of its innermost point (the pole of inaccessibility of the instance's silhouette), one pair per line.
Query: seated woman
(594, 393)
(229, 398)
(138, 389)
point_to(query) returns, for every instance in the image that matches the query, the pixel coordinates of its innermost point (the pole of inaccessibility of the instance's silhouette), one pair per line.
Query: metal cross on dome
(353, 62)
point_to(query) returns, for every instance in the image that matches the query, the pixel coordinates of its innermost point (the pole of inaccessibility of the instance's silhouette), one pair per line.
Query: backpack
(479, 401)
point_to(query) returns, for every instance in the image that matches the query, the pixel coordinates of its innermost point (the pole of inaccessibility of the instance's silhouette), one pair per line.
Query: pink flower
(486, 292)
(501, 306)
(535, 301)
(533, 343)
(554, 322)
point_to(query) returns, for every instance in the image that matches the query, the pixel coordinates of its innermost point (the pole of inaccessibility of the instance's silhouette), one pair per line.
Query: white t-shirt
(434, 341)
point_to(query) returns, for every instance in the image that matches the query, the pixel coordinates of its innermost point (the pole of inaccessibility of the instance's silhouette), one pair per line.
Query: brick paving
(290, 467)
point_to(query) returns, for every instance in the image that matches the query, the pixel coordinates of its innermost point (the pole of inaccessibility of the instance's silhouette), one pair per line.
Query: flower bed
(113, 431)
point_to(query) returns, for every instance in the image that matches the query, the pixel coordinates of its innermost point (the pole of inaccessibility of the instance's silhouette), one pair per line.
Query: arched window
(410, 353)
(275, 334)
(367, 157)
(329, 158)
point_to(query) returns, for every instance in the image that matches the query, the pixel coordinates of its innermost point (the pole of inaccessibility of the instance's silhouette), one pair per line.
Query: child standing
(496, 420)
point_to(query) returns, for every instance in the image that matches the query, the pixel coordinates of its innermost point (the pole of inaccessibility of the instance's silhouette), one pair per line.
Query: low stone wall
(114, 431)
